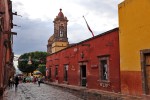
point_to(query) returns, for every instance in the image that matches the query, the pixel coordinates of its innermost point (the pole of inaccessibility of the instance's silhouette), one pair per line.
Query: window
(104, 74)
(65, 72)
(56, 71)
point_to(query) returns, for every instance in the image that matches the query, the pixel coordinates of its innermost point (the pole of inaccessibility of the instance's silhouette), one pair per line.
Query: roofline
(104, 33)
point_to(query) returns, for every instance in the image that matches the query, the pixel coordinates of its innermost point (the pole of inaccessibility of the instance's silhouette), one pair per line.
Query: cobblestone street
(30, 91)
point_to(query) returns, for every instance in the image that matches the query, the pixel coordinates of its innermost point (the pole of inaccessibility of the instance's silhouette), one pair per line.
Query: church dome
(51, 39)
(60, 14)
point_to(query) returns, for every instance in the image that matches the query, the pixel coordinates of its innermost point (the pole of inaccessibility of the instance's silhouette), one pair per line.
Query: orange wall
(134, 27)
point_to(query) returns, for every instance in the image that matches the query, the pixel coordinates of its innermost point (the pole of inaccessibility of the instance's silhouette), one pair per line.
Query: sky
(36, 24)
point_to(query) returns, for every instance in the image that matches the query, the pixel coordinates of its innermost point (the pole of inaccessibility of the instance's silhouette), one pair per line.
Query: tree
(36, 59)
(42, 69)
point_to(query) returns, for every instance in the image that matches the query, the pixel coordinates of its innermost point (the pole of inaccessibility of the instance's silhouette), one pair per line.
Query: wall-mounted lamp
(15, 13)
(15, 25)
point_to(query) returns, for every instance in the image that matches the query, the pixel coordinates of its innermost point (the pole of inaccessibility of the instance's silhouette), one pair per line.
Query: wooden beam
(8, 32)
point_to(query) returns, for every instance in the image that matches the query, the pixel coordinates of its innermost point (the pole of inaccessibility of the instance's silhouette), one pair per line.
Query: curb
(93, 94)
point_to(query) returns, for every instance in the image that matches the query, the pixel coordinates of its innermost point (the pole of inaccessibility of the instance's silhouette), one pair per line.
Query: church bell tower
(58, 40)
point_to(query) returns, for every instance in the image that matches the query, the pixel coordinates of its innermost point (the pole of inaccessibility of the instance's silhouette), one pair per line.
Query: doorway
(147, 72)
(145, 64)
(66, 73)
(49, 73)
(83, 75)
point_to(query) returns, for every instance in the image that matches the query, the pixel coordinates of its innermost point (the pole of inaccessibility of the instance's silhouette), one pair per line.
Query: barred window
(104, 66)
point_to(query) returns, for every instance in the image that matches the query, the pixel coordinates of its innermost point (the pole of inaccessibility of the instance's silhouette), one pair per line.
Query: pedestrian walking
(13, 82)
(16, 82)
(39, 80)
(34, 80)
(56, 79)
(24, 80)
(10, 82)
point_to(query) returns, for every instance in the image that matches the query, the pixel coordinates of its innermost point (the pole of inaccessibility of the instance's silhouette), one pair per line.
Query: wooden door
(147, 70)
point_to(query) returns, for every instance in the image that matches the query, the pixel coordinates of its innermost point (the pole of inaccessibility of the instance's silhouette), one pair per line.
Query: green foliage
(36, 59)
(42, 69)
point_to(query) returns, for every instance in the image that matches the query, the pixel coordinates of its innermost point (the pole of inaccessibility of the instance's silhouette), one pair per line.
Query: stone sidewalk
(30, 91)
(93, 94)
(54, 91)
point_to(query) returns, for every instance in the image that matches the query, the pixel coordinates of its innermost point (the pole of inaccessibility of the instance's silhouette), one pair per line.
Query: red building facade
(6, 54)
(93, 63)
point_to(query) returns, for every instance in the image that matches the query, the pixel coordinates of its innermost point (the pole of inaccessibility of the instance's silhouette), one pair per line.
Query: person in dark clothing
(39, 81)
(10, 82)
(24, 80)
(16, 82)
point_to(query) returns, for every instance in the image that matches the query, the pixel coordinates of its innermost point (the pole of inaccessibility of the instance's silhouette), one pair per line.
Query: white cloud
(38, 16)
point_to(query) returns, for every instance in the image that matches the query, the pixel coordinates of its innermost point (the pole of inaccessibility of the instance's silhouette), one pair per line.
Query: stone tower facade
(58, 40)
